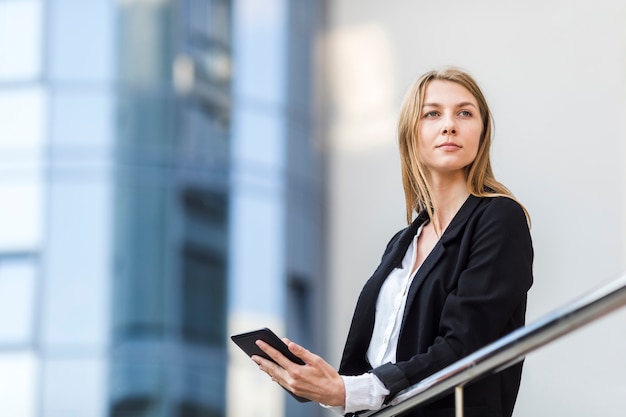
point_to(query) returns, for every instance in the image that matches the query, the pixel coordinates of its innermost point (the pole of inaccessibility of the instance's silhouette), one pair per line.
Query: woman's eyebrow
(466, 103)
(462, 104)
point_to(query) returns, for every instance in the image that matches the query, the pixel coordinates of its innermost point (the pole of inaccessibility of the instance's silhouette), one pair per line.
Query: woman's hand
(315, 380)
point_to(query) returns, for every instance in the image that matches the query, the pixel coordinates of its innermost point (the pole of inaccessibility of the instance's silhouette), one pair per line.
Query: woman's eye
(431, 114)
(465, 113)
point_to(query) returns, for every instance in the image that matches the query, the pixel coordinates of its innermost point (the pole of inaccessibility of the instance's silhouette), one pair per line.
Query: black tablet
(247, 342)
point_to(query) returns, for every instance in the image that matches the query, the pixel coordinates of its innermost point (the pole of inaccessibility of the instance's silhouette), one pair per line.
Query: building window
(134, 407)
(18, 384)
(20, 40)
(299, 313)
(187, 409)
(204, 267)
(17, 295)
(204, 292)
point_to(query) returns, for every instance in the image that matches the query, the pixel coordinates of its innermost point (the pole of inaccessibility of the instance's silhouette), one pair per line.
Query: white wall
(554, 73)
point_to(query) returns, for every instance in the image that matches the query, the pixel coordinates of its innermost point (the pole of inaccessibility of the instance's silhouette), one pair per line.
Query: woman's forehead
(447, 92)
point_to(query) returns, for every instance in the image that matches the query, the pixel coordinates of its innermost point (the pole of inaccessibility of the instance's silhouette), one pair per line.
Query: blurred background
(176, 171)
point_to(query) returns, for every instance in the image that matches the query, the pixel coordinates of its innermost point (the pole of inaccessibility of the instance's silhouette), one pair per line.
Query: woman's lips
(448, 146)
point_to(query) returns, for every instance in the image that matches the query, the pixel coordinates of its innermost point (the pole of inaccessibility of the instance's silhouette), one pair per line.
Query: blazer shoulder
(503, 208)
(503, 219)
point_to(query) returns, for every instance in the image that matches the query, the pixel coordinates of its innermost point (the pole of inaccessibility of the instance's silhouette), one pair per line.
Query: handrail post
(458, 401)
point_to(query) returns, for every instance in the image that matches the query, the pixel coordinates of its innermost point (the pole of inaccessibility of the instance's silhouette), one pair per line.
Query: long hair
(480, 179)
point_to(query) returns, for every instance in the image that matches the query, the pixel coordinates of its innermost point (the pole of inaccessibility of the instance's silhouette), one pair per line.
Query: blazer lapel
(362, 325)
(456, 226)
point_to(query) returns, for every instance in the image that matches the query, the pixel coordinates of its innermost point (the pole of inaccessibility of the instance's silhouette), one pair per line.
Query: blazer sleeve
(489, 299)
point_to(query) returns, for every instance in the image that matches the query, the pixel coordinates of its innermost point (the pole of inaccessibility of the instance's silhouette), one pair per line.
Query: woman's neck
(448, 197)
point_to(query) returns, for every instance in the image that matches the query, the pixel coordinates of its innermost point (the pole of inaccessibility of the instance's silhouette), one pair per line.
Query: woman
(450, 283)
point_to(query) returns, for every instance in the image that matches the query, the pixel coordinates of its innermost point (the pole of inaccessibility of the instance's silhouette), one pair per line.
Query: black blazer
(469, 291)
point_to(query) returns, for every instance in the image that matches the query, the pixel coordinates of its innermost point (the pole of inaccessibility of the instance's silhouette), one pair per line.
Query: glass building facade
(160, 189)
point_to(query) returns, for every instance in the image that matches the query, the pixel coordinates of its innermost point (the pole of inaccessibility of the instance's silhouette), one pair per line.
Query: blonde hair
(480, 179)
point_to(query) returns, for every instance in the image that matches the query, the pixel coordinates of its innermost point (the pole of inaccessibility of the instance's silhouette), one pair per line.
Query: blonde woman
(450, 283)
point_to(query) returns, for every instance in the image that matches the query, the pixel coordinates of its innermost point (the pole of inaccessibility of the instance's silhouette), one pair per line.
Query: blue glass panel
(18, 384)
(20, 40)
(17, 307)
(20, 216)
(74, 385)
(81, 40)
(82, 119)
(22, 121)
(78, 268)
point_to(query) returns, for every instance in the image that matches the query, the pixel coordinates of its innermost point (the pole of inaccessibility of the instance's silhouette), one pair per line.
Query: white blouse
(367, 392)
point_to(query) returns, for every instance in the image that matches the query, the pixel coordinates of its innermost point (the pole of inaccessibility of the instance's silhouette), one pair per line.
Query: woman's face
(450, 128)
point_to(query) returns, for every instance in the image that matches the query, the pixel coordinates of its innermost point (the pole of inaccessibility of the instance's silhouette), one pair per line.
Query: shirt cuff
(338, 410)
(364, 392)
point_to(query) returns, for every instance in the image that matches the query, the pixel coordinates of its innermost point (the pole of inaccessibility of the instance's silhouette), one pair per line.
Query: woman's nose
(448, 129)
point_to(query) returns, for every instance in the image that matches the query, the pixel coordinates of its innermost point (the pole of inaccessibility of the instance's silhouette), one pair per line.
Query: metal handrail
(513, 347)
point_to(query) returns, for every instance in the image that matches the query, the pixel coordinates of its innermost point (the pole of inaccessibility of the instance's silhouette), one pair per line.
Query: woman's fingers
(316, 380)
(278, 357)
(301, 352)
(269, 367)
